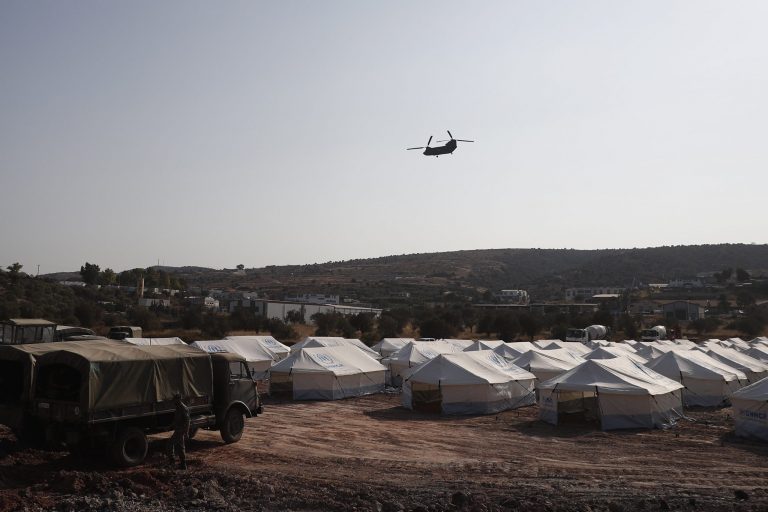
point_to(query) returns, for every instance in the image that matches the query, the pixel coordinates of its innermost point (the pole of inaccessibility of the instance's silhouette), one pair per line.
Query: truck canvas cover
(123, 375)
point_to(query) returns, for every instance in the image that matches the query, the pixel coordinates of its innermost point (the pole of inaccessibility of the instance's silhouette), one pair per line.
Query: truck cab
(17, 331)
(235, 396)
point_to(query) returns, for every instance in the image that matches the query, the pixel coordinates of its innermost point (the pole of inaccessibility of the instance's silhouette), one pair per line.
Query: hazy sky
(220, 133)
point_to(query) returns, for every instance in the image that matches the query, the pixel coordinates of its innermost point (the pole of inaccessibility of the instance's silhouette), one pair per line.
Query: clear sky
(269, 133)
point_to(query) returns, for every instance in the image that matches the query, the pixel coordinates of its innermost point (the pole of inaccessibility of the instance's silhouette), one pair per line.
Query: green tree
(107, 277)
(90, 273)
(529, 325)
(294, 316)
(363, 322)
(240, 267)
(742, 275)
(507, 326)
(15, 268)
(387, 327)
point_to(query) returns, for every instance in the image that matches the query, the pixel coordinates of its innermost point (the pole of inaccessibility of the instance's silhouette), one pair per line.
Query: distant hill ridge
(545, 270)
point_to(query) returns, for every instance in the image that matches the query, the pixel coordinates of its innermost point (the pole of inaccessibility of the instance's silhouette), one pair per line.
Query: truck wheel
(130, 447)
(234, 423)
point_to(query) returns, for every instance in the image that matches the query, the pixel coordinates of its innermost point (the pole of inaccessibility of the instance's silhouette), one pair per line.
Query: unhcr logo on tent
(327, 361)
(215, 348)
(754, 415)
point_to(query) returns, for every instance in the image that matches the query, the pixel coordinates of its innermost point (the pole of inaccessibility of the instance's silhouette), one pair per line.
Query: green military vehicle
(111, 394)
(15, 331)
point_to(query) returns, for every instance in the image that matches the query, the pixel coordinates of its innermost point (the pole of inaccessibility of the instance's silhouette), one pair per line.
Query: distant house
(683, 310)
(577, 294)
(149, 302)
(513, 296)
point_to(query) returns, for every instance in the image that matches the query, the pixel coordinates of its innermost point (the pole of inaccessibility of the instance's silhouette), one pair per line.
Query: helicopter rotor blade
(449, 133)
(430, 140)
(421, 147)
(464, 140)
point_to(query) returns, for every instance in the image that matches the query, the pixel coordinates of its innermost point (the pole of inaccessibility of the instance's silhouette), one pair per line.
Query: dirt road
(371, 454)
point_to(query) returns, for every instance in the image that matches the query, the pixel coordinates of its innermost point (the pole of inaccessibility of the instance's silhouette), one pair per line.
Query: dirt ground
(370, 454)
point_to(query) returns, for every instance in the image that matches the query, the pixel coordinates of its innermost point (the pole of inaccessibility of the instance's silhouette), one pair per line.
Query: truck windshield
(58, 382)
(238, 370)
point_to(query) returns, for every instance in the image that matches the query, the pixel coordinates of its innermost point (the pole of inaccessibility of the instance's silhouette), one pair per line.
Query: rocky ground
(371, 454)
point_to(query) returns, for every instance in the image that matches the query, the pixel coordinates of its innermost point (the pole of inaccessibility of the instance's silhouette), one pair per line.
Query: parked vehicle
(593, 332)
(16, 331)
(655, 333)
(75, 401)
(120, 332)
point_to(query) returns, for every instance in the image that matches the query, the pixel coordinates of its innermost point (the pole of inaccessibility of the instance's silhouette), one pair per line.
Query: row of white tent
(628, 384)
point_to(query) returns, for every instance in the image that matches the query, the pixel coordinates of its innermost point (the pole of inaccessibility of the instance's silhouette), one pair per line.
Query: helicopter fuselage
(447, 149)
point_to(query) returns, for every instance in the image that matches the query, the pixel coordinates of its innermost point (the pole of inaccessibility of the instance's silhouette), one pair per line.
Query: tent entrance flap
(427, 398)
(574, 408)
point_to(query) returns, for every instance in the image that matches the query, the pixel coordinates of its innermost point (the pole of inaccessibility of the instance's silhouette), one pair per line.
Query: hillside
(544, 272)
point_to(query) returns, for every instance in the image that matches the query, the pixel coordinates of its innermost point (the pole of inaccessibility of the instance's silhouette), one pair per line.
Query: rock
(392, 506)
(460, 499)
(741, 495)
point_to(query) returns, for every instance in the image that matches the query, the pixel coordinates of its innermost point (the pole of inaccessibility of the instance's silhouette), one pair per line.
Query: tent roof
(315, 342)
(154, 341)
(391, 344)
(546, 360)
(691, 364)
(514, 348)
(618, 375)
(251, 352)
(337, 360)
(267, 342)
(612, 352)
(483, 345)
(462, 368)
(734, 358)
(757, 391)
(422, 351)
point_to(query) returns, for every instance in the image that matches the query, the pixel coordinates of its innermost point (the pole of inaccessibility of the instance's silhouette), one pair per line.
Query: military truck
(111, 395)
(16, 331)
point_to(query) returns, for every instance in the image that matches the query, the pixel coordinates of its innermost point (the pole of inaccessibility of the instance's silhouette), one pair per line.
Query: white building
(281, 309)
(314, 298)
(572, 294)
(513, 296)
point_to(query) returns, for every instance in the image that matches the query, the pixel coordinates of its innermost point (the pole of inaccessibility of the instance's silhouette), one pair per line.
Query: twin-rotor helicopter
(446, 149)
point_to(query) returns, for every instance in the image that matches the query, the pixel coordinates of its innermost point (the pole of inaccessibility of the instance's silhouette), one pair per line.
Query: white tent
(460, 344)
(388, 346)
(479, 382)
(483, 345)
(415, 354)
(548, 364)
(622, 346)
(154, 341)
(278, 350)
(652, 351)
(760, 340)
(754, 369)
(620, 393)
(514, 349)
(706, 383)
(318, 341)
(571, 346)
(750, 410)
(612, 352)
(739, 344)
(258, 359)
(759, 352)
(327, 373)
